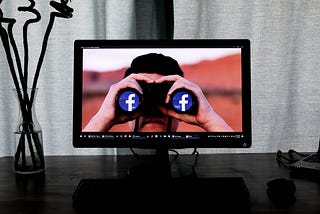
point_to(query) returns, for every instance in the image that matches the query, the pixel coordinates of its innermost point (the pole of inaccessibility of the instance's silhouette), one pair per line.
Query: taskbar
(146, 136)
(172, 140)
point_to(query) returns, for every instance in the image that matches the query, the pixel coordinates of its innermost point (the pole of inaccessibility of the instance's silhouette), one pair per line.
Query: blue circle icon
(182, 101)
(129, 100)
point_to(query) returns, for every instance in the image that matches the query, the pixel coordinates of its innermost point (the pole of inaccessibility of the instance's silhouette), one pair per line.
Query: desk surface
(53, 194)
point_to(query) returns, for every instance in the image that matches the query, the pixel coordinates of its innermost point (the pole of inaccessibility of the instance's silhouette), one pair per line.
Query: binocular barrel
(182, 100)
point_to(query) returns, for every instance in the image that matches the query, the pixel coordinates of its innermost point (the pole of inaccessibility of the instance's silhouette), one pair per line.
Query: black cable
(176, 152)
(135, 155)
(292, 152)
(283, 160)
(195, 152)
(289, 158)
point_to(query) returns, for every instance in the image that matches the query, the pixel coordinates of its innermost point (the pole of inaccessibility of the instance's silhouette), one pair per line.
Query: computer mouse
(281, 191)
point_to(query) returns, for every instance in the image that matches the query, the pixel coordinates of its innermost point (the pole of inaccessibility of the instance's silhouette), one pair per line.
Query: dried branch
(30, 9)
(20, 78)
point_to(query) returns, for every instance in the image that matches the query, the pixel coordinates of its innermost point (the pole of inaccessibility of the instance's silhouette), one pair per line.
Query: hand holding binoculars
(182, 100)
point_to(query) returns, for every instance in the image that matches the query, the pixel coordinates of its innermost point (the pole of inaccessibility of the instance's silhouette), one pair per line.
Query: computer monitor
(162, 94)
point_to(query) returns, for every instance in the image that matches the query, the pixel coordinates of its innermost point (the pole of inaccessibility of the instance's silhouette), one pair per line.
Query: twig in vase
(30, 9)
(27, 127)
(64, 12)
(23, 102)
(5, 41)
(28, 121)
(16, 53)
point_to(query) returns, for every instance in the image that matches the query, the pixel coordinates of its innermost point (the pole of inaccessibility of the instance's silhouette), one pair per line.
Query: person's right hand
(107, 116)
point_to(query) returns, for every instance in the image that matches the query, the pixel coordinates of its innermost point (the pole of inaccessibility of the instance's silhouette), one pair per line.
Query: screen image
(178, 93)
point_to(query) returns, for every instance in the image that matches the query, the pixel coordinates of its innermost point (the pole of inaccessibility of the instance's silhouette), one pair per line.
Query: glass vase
(28, 156)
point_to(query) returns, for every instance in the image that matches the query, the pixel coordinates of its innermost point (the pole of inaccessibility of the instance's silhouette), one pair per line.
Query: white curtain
(285, 57)
(91, 20)
(285, 62)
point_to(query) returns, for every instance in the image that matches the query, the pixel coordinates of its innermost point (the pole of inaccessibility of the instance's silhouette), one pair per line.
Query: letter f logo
(183, 102)
(130, 101)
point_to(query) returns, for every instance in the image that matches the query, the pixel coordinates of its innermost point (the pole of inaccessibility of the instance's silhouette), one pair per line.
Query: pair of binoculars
(182, 100)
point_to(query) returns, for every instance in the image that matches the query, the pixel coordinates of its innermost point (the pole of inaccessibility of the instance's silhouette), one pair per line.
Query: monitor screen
(162, 93)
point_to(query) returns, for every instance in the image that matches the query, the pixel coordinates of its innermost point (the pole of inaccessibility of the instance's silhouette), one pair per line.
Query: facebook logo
(129, 100)
(182, 101)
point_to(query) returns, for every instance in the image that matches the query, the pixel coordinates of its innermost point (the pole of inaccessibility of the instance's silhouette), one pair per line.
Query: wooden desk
(53, 194)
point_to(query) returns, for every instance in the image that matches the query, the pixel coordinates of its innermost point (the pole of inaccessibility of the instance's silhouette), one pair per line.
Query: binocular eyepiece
(182, 100)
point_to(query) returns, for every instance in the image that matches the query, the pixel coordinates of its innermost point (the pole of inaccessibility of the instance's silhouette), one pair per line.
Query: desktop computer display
(162, 95)
(159, 93)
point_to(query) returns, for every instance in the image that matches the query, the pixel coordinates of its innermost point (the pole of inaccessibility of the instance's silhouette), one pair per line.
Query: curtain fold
(111, 19)
(285, 61)
(154, 19)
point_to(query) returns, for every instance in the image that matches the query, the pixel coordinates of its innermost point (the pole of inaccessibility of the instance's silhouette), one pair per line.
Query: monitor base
(183, 194)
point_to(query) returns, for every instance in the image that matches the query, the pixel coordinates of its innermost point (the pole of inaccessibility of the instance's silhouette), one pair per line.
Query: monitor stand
(163, 185)
(160, 167)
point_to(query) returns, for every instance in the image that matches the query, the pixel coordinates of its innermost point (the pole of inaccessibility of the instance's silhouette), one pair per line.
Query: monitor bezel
(203, 139)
